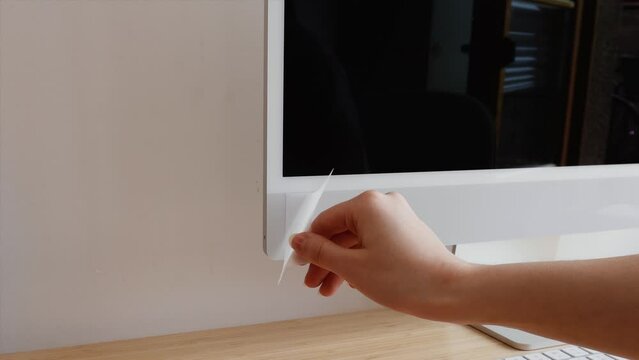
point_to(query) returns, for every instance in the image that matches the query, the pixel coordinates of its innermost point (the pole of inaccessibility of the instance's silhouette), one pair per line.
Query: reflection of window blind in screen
(532, 27)
(536, 84)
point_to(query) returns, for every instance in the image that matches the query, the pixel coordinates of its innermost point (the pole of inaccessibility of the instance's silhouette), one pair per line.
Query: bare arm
(594, 303)
(377, 244)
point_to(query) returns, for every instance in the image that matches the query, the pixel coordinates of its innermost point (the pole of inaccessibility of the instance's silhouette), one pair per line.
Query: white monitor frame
(461, 206)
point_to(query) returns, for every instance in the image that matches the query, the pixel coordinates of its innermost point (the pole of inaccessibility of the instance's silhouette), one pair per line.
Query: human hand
(380, 247)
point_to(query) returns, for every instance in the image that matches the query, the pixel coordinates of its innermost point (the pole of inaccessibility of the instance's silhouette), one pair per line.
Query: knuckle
(397, 196)
(371, 196)
(371, 202)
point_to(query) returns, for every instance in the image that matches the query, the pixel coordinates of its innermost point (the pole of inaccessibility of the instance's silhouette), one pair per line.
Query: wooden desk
(380, 334)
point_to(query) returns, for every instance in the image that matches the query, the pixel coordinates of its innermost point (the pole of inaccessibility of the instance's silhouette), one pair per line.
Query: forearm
(593, 303)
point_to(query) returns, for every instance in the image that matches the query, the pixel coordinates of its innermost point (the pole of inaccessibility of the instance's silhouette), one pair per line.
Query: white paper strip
(301, 222)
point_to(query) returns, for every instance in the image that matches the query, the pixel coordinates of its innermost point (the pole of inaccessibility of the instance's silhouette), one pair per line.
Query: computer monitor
(480, 112)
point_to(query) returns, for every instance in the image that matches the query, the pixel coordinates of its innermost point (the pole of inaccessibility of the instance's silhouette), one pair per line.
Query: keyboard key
(575, 351)
(536, 357)
(568, 353)
(599, 357)
(557, 355)
(591, 350)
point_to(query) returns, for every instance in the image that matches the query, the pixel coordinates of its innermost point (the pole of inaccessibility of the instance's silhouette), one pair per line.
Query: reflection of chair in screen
(426, 131)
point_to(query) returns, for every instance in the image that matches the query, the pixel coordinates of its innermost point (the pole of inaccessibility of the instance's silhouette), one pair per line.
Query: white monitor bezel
(341, 187)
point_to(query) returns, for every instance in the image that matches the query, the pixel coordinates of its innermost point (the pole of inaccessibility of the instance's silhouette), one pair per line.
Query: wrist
(454, 300)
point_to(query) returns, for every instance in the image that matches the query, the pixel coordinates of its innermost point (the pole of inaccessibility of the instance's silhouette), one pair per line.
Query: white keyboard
(567, 353)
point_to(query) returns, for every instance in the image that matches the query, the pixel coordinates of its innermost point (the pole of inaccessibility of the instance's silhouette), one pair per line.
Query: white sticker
(301, 222)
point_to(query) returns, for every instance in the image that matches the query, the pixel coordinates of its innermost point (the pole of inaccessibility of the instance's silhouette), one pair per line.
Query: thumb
(323, 252)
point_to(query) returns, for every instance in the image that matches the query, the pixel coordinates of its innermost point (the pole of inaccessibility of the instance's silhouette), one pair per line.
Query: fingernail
(297, 242)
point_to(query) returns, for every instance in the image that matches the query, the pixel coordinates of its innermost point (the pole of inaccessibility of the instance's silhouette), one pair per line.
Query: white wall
(130, 173)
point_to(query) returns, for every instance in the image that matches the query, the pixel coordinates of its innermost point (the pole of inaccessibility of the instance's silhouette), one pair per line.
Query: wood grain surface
(380, 334)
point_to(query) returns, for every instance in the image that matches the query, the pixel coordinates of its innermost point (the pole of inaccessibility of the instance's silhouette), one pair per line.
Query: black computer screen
(376, 86)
